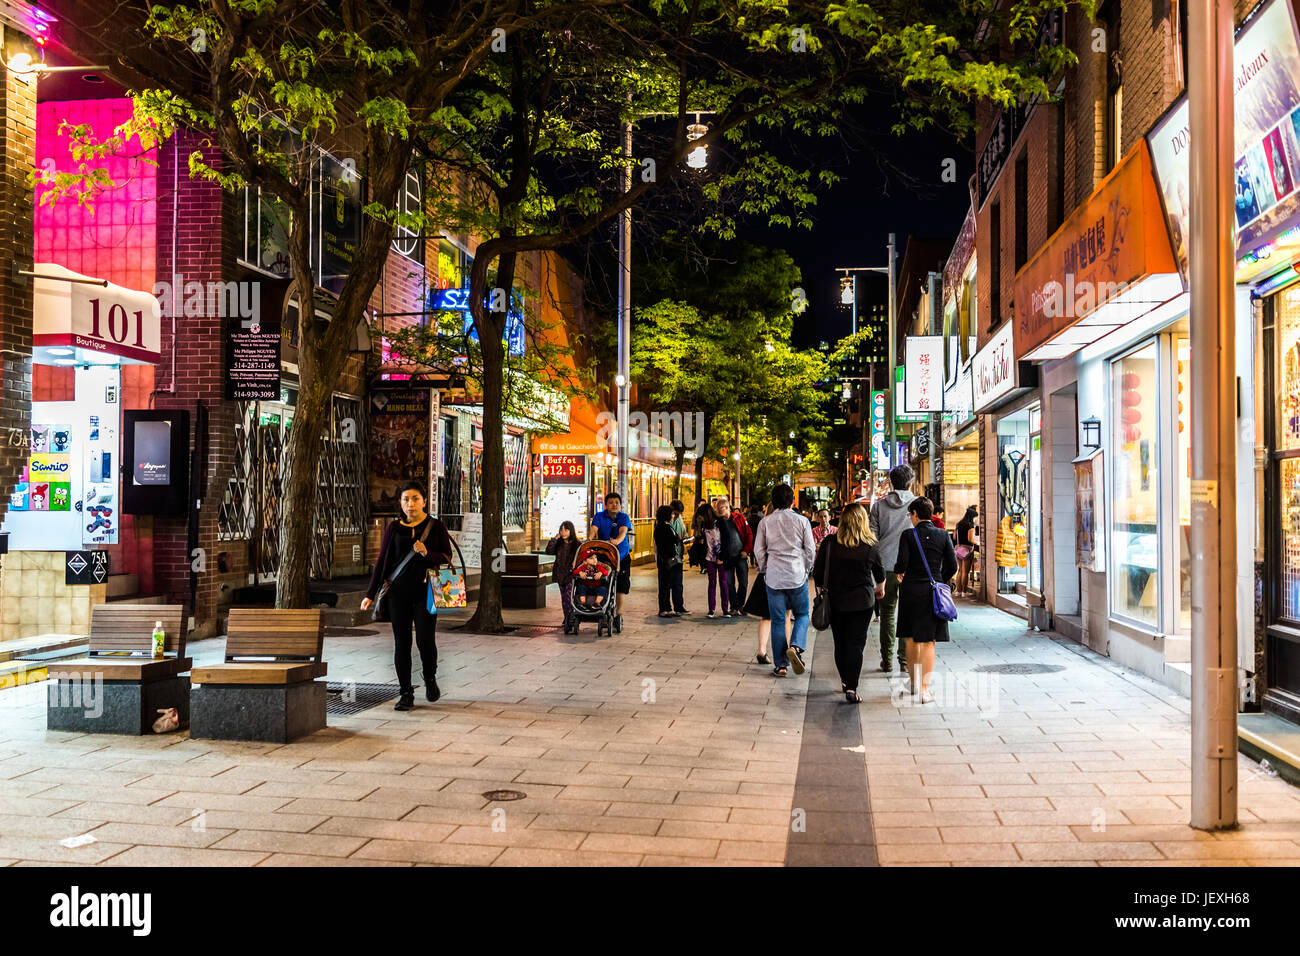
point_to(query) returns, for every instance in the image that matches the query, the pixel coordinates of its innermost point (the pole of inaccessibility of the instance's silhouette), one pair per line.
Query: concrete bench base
(90, 706)
(276, 713)
(524, 592)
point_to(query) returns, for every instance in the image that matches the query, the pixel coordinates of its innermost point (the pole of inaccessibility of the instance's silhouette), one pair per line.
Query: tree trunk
(311, 422)
(680, 451)
(487, 616)
(700, 494)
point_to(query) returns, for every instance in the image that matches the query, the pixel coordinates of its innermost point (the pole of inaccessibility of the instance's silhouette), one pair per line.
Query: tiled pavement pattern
(663, 745)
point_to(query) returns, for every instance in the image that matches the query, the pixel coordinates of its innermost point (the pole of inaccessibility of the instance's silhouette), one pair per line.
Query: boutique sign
(94, 316)
(995, 373)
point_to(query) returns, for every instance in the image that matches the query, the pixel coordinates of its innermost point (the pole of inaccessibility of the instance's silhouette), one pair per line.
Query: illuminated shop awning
(90, 321)
(1108, 263)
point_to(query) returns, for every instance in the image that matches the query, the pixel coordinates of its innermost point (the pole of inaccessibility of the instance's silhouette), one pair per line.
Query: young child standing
(565, 548)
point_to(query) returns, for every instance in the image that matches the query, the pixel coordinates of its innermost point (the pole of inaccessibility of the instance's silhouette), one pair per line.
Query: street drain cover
(504, 796)
(1020, 668)
(342, 699)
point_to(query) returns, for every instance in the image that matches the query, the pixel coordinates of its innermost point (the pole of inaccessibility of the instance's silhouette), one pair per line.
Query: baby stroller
(606, 557)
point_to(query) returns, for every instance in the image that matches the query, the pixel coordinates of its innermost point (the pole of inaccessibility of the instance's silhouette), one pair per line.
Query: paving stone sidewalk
(1085, 763)
(665, 745)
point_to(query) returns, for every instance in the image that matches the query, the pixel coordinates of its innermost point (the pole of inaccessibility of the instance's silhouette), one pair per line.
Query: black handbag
(821, 609)
(380, 611)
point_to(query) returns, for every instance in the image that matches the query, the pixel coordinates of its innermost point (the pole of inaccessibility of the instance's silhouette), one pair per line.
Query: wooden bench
(120, 687)
(267, 689)
(523, 585)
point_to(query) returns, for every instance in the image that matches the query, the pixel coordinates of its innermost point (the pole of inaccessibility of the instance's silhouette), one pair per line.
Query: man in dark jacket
(736, 554)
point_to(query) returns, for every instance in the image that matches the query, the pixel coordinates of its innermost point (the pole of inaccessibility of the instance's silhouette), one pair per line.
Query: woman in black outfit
(966, 549)
(408, 595)
(916, 619)
(666, 560)
(849, 571)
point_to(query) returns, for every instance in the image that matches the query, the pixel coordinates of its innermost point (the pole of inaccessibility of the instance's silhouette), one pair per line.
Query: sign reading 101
(564, 469)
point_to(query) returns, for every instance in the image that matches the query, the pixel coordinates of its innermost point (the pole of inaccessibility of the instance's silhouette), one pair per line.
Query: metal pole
(855, 304)
(893, 357)
(624, 316)
(1213, 417)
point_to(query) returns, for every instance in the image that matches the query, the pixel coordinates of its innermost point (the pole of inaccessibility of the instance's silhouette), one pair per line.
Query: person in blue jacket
(614, 525)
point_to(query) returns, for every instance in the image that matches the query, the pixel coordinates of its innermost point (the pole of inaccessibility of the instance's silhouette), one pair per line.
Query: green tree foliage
(519, 107)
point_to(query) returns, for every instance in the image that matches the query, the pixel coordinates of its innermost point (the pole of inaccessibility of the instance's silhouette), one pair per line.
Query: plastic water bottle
(159, 641)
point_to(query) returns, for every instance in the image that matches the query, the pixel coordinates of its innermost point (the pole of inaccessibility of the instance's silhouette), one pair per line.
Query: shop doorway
(1018, 552)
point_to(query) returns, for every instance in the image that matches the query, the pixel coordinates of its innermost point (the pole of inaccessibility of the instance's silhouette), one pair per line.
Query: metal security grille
(348, 466)
(236, 517)
(517, 482)
(270, 494)
(344, 698)
(475, 482)
(449, 488)
(340, 484)
(253, 503)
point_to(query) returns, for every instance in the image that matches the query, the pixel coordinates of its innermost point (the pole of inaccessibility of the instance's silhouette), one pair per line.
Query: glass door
(1035, 509)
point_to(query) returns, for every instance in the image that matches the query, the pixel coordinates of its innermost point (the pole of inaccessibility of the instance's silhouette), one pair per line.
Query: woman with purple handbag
(925, 606)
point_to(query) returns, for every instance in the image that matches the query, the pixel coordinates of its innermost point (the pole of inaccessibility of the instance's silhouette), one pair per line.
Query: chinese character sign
(923, 374)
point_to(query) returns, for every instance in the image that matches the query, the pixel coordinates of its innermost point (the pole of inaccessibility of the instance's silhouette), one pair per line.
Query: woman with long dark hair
(424, 538)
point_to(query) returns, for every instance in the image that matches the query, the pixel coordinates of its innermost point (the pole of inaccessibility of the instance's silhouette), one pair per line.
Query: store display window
(1135, 482)
(1015, 503)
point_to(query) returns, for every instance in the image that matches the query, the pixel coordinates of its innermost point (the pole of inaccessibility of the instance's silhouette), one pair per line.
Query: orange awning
(584, 437)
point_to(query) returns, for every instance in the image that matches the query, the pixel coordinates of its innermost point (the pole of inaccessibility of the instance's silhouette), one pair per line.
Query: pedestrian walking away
(707, 531)
(756, 606)
(785, 552)
(667, 558)
(738, 546)
(679, 529)
(914, 569)
(412, 546)
(850, 577)
(965, 549)
(565, 548)
(614, 525)
(889, 519)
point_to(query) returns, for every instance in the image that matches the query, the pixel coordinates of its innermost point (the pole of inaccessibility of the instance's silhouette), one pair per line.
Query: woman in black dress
(756, 606)
(849, 571)
(916, 619)
(407, 597)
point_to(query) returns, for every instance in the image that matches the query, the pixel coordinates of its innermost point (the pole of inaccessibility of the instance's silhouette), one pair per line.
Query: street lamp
(697, 159)
(893, 355)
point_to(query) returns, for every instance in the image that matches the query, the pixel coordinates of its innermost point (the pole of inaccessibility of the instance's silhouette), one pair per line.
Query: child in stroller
(591, 583)
(593, 588)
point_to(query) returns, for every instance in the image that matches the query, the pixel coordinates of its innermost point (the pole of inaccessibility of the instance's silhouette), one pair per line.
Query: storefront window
(1287, 312)
(1014, 502)
(1135, 510)
(1183, 464)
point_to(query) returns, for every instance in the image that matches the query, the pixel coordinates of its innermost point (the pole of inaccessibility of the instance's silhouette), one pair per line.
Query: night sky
(887, 184)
